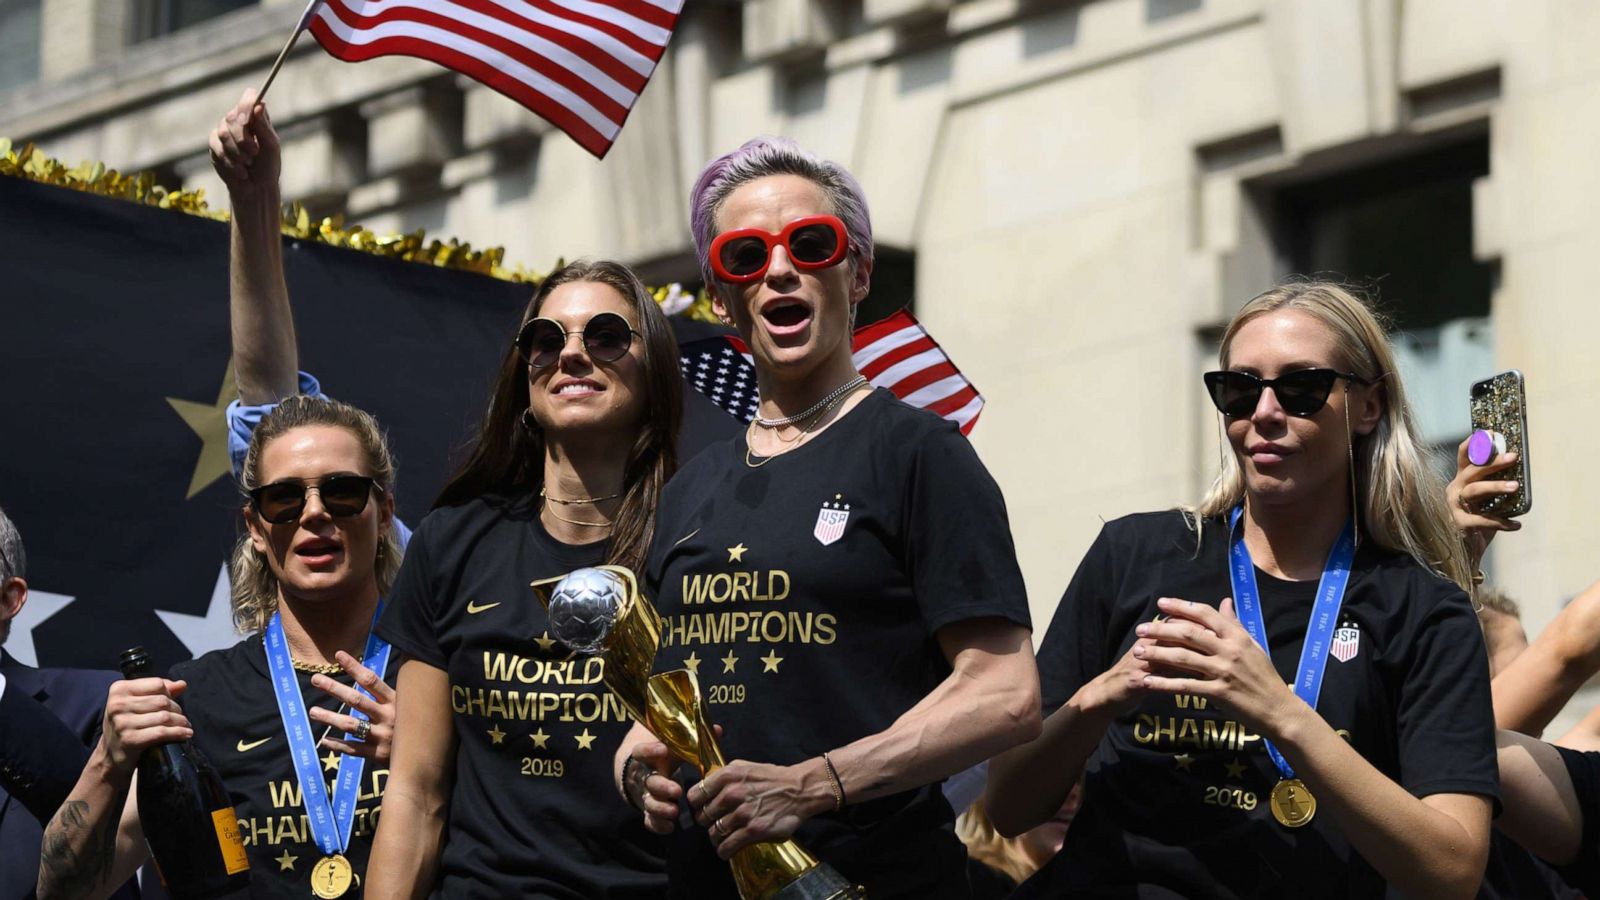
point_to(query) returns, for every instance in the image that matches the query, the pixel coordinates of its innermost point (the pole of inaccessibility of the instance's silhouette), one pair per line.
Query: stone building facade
(1076, 194)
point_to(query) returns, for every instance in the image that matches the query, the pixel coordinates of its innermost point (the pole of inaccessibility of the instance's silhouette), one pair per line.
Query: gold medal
(1292, 804)
(331, 876)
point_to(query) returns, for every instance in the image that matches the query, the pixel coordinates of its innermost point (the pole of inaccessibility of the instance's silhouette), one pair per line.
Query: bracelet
(627, 794)
(1477, 577)
(834, 784)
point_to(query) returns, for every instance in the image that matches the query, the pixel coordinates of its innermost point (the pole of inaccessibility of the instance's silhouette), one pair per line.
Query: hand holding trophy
(600, 611)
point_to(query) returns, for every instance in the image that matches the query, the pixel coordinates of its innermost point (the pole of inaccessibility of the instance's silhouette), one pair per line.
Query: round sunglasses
(606, 338)
(1301, 393)
(282, 502)
(812, 242)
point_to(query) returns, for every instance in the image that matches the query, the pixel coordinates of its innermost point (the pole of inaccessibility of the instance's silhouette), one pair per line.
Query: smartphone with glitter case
(1500, 405)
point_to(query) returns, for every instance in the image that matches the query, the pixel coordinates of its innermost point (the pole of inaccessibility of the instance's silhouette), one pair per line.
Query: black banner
(113, 378)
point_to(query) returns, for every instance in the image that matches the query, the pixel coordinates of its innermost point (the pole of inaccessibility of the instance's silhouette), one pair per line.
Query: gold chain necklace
(552, 511)
(579, 501)
(317, 668)
(821, 414)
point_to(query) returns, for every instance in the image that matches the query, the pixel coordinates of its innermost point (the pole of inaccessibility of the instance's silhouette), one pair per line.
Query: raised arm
(987, 704)
(94, 842)
(1538, 683)
(416, 802)
(245, 154)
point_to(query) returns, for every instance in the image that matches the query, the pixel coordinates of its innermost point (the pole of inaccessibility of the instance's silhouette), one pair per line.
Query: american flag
(579, 63)
(895, 353)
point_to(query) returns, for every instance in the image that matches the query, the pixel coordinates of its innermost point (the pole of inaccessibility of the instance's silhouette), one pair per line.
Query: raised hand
(379, 710)
(244, 148)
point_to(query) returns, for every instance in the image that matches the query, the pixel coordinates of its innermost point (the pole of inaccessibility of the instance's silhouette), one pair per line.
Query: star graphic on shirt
(729, 661)
(584, 740)
(210, 422)
(331, 761)
(286, 862)
(496, 735)
(545, 641)
(692, 663)
(769, 663)
(540, 738)
(1235, 768)
(736, 552)
(1183, 760)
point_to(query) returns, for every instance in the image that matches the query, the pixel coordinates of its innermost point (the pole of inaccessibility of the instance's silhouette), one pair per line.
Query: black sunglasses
(282, 502)
(1300, 393)
(606, 338)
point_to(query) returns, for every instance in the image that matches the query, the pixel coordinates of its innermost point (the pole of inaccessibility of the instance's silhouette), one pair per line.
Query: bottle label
(228, 839)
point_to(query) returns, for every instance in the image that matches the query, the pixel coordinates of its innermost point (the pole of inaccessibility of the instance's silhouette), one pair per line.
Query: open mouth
(578, 387)
(319, 551)
(786, 316)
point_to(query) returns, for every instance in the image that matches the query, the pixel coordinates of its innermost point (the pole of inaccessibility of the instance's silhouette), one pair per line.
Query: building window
(154, 18)
(19, 42)
(1403, 230)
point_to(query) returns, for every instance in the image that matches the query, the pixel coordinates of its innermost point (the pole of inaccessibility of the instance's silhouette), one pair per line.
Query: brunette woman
(501, 780)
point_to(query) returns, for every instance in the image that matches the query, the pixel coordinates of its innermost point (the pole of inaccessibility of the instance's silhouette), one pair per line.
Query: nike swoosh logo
(686, 537)
(475, 608)
(244, 748)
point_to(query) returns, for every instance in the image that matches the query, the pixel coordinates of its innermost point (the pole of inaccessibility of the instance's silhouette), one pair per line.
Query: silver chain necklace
(835, 394)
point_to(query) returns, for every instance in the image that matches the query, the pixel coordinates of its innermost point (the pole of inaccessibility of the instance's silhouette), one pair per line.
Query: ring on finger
(718, 828)
(363, 729)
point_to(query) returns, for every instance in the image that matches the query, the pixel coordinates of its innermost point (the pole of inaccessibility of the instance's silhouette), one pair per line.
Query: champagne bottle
(187, 815)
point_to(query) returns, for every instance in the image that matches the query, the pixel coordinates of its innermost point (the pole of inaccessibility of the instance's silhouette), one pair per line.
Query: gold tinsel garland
(141, 188)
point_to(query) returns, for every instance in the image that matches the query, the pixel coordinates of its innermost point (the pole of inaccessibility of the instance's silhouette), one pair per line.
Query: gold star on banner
(584, 740)
(729, 661)
(1183, 760)
(210, 422)
(286, 862)
(769, 663)
(540, 738)
(1235, 768)
(545, 641)
(331, 761)
(496, 736)
(692, 663)
(736, 552)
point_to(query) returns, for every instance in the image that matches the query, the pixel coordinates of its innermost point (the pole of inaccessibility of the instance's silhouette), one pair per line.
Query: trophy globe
(584, 606)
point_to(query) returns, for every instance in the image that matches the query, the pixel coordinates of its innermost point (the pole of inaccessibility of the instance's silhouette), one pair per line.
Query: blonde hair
(1403, 505)
(255, 587)
(986, 845)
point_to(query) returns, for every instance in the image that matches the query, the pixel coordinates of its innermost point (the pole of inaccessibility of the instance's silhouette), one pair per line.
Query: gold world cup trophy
(600, 612)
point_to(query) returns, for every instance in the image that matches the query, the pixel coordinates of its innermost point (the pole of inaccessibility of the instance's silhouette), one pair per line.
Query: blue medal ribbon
(330, 822)
(1324, 614)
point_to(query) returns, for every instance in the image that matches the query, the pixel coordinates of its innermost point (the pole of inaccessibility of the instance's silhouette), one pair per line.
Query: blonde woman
(1220, 760)
(319, 552)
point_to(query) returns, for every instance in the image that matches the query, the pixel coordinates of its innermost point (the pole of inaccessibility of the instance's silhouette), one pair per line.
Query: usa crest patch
(1346, 643)
(831, 521)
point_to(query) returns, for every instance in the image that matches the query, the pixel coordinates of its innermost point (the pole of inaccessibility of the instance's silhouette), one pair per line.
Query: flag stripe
(871, 348)
(579, 63)
(903, 352)
(916, 372)
(967, 416)
(496, 23)
(939, 390)
(552, 101)
(897, 358)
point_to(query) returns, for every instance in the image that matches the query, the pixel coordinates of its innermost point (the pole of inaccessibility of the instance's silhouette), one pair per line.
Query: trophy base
(821, 882)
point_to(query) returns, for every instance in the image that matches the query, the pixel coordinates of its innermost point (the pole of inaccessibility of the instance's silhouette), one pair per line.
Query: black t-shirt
(533, 811)
(806, 594)
(1175, 797)
(234, 712)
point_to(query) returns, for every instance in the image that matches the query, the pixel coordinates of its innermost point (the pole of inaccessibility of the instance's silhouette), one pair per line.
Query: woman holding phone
(1282, 690)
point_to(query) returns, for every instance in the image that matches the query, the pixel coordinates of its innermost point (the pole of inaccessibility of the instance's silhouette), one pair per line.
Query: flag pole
(305, 19)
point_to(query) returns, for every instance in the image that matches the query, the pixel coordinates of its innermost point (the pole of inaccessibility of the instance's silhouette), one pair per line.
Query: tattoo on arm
(73, 859)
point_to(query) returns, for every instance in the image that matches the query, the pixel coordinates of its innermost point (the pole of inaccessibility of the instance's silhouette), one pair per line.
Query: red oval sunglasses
(812, 242)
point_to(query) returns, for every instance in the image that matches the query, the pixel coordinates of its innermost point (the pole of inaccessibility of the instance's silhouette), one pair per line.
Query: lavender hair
(766, 156)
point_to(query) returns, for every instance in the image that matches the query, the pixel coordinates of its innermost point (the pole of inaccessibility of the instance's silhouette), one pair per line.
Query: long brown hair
(507, 457)
(254, 586)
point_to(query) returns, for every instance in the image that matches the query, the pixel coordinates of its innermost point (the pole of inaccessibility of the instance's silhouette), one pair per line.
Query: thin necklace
(578, 501)
(833, 395)
(552, 511)
(823, 414)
